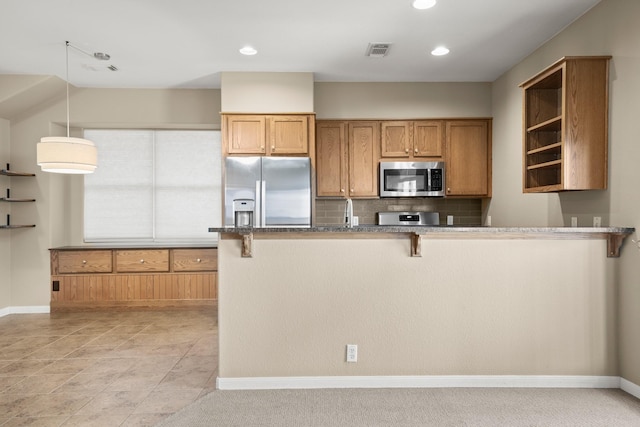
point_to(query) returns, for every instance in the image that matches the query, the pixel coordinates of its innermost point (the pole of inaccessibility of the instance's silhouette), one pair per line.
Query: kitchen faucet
(348, 217)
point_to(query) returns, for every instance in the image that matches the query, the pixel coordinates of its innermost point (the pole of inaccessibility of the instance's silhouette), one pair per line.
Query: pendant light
(60, 154)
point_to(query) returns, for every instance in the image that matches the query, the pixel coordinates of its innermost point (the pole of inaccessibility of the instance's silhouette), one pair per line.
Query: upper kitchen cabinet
(411, 139)
(270, 135)
(347, 158)
(565, 126)
(331, 159)
(363, 142)
(468, 158)
(245, 134)
(289, 135)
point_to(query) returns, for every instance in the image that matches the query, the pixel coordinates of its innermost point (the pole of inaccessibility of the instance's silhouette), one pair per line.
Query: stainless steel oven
(412, 179)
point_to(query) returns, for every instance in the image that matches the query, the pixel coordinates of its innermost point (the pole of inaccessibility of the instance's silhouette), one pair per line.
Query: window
(153, 186)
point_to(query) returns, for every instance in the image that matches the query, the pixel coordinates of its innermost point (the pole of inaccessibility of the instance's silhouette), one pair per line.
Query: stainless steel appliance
(412, 179)
(267, 192)
(408, 218)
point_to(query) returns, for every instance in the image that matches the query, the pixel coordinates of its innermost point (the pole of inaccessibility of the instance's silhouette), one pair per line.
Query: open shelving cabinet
(565, 126)
(8, 172)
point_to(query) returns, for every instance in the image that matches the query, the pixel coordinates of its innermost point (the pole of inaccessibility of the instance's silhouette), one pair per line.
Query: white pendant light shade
(63, 154)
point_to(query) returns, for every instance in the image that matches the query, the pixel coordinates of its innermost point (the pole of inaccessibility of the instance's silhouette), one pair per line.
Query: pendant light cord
(67, 79)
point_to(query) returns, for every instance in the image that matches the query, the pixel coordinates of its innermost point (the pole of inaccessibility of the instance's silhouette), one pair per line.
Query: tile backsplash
(467, 212)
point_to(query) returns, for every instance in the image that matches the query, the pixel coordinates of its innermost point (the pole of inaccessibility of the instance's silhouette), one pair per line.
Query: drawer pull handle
(84, 261)
(198, 260)
(141, 261)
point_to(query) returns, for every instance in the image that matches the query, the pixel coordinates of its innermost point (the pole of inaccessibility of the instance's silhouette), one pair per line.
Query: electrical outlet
(574, 221)
(597, 221)
(356, 221)
(352, 353)
(449, 219)
(56, 286)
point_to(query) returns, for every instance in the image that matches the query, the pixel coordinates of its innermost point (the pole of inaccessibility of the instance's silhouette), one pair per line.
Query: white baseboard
(29, 309)
(629, 387)
(436, 381)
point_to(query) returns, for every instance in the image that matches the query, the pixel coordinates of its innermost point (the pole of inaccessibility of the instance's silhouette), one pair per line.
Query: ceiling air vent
(378, 50)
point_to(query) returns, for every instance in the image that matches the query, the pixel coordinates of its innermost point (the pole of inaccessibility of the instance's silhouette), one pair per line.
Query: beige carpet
(493, 407)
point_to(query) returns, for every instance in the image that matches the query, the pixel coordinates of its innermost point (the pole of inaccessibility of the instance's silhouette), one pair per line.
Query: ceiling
(187, 43)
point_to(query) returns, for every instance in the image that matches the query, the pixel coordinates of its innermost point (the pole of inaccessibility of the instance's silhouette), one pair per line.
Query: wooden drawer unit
(98, 261)
(92, 278)
(195, 259)
(142, 261)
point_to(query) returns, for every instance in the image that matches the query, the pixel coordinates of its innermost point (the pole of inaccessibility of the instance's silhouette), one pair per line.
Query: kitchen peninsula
(499, 304)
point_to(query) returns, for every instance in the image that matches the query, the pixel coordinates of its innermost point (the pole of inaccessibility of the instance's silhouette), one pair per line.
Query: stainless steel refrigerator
(267, 192)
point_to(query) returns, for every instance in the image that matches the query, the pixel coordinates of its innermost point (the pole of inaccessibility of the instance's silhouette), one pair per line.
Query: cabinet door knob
(84, 261)
(406, 150)
(342, 190)
(352, 190)
(273, 148)
(415, 150)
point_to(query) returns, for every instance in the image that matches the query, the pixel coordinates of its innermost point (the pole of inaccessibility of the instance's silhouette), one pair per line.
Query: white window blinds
(153, 185)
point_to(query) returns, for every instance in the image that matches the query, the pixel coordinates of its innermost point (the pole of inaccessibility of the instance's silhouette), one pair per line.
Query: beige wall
(5, 208)
(467, 307)
(247, 92)
(57, 212)
(611, 28)
(401, 100)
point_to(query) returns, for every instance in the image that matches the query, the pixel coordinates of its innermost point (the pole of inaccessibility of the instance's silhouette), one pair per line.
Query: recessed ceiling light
(248, 50)
(439, 51)
(423, 4)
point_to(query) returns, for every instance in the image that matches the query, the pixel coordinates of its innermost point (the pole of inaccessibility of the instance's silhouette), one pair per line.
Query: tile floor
(104, 368)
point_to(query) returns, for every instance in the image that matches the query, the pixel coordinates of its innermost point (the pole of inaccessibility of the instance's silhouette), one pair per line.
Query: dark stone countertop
(559, 231)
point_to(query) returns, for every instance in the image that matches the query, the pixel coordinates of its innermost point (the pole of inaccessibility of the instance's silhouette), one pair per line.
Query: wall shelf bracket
(247, 245)
(614, 243)
(416, 245)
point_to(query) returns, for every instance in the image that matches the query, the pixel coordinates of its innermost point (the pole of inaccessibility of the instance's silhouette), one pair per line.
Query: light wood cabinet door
(142, 261)
(288, 135)
(195, 259)
(395, 139)
(84, 261)
(246, 134)
(331, 159)
(363, 146)
(468, 158)
(428, 138)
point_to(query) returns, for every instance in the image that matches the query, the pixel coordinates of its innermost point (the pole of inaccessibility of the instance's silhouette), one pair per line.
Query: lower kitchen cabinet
(142, 277)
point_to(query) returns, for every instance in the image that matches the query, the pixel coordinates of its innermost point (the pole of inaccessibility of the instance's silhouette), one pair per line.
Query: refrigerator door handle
(263, 204)
(257, 209)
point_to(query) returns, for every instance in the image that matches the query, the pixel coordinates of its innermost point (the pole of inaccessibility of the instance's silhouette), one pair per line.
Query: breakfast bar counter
(507, 304)
(614, 235)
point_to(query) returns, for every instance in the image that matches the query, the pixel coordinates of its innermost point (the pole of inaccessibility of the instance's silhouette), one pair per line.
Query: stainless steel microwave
(412, 179)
